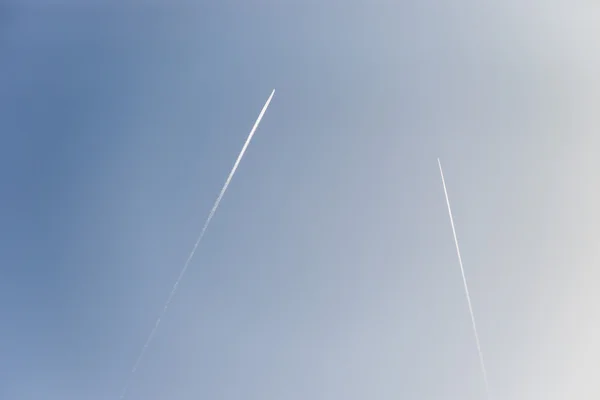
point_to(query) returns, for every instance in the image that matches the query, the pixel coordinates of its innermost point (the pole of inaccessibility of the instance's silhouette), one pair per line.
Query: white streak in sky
(187, 262)
(462, 270)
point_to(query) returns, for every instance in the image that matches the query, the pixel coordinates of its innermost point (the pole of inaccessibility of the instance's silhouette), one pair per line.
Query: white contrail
(202, 232)
(462, 270)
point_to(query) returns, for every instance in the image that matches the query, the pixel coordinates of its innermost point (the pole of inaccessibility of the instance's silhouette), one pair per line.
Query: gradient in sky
(329, 271)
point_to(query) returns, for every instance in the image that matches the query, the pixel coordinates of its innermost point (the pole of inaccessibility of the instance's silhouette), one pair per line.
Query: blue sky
(329, 271)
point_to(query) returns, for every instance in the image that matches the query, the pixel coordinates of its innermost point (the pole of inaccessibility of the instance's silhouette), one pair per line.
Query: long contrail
(462, 270)
(202, 232)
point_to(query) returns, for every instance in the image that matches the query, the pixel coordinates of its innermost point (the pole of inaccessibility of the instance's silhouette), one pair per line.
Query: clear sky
(329, 271)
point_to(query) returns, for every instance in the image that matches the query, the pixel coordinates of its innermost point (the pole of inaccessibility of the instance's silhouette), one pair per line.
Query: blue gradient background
(329, 272)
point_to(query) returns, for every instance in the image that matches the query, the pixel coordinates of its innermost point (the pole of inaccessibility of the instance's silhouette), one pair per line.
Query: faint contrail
(202, 232)
(462, 270)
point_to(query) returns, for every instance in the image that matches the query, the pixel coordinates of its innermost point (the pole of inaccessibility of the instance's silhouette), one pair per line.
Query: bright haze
(329, 270)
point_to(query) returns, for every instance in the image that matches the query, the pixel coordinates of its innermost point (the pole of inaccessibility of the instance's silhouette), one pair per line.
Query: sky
(329, 270)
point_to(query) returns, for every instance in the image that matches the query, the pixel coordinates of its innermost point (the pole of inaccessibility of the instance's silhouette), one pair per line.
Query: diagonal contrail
(202, 232)
(462, 270)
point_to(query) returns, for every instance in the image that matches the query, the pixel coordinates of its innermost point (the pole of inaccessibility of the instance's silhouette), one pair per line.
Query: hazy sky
(329, 272)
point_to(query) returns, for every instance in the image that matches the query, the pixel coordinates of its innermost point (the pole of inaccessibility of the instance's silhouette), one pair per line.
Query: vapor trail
(202, 232)
(462, 270)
